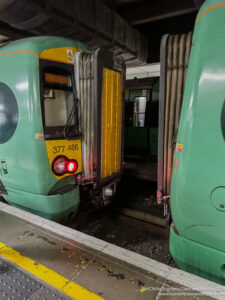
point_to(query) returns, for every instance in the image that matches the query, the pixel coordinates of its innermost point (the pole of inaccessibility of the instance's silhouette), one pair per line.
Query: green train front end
(197, 239)
(42, 140)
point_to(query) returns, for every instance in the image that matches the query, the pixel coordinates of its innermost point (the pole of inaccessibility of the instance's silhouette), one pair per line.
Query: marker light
(62, 165)
(59, 165)
(72, 166)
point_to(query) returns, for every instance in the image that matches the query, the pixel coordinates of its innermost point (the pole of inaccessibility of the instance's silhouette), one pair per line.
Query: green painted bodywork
(197, 258)
(198, 183)
(60, 208)
(29, 177)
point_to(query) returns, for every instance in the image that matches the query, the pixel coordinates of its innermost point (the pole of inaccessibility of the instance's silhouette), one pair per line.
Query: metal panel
(111, 123)
(104, 59)
(170, 113)
(162, 96)
(174, 57)
(100, 81)
(118, 33)
(84, 84)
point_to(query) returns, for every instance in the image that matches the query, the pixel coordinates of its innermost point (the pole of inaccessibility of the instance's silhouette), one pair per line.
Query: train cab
(45, 137)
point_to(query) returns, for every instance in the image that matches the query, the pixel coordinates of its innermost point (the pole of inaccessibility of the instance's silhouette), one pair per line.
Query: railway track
(129, 217)
(124, 228)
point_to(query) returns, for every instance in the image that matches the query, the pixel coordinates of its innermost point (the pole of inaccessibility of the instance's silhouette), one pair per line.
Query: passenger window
(139, 112)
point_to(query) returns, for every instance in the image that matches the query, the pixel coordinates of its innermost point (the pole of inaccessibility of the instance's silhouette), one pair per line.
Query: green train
(191, 141)
(57, 135)
(197, 239)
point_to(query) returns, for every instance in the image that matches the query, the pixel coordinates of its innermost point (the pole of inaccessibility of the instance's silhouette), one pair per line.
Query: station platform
(40, 259)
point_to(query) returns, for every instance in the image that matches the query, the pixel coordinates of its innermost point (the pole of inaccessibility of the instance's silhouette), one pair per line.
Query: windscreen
(59, 102)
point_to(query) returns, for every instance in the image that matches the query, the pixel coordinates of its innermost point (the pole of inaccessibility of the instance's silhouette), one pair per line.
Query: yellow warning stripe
(49, 276)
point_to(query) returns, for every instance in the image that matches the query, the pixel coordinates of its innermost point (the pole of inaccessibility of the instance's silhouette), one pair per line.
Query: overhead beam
(158, 10)
(89, 21)
(12, 33)
(198, 3)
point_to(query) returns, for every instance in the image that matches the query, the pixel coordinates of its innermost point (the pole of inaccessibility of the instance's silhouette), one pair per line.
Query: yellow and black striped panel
(111, 123)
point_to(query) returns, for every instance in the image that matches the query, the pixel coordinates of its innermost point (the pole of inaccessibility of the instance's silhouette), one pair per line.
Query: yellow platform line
(47, 275)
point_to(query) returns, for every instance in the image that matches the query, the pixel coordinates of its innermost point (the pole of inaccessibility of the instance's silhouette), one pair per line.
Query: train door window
(57, 105)
(59, 101)
(139, 112)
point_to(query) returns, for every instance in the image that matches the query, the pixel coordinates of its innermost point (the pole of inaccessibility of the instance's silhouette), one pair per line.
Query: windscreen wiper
(68, 134)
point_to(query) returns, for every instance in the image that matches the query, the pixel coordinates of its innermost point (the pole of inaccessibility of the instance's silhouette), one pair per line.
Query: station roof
(153, 18)
(131, 27)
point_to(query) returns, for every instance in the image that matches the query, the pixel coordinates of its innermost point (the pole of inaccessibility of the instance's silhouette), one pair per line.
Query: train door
(141, 122)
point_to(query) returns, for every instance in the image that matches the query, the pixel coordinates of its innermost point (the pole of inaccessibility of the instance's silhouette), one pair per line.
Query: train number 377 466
(61, 149)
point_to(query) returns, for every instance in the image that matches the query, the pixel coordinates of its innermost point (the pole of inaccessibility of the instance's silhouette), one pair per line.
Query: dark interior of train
(141, 130)
(138, 185)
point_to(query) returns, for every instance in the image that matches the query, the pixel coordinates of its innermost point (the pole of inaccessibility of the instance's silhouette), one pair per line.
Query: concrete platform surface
(40, 259)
